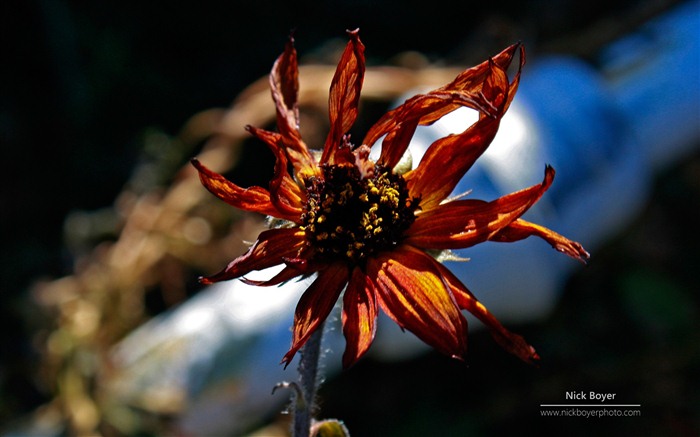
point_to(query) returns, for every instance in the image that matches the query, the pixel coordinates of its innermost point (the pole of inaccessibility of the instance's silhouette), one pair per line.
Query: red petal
(359, 316)
(284, 85)
(344, 94)
(464, 223)
(286, 195)
(521, 229)
(504, 60)
(270, 250)
(513, 343)
(315, 305)
(253, 199)
(412, 293)
(449, 158)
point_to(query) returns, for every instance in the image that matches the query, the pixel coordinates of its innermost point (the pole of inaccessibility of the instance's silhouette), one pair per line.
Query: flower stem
(308, 371)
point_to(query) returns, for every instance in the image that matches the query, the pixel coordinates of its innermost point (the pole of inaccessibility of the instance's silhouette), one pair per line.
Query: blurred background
(102, 105)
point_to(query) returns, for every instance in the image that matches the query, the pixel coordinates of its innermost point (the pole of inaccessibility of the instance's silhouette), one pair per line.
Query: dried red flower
(367, 230)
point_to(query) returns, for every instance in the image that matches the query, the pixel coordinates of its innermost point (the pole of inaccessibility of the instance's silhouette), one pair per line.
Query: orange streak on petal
(359, 316)
(412, 293)
(315, 305)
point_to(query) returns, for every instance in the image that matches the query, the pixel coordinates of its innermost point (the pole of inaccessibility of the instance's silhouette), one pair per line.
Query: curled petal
(286, 195)
(464, 223)
(269, 250)
(513, 87)
(476, 76)
(400, 124)
(315, 305)
(359, 316)
(412, 293)
(449, 158)
(284, 85)
(253, 199)
(509, 341)
(344, 94)
(455, 154)
(473, 88)
(467, 85)
(521, 229)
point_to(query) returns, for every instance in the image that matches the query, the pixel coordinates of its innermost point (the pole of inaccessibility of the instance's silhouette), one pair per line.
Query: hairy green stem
(308, 377)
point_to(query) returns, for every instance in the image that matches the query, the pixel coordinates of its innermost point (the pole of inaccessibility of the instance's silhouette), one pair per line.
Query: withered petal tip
(585, 258)
(549, 169)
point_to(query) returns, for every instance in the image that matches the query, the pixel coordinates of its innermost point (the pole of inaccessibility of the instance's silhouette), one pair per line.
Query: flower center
(353, 217)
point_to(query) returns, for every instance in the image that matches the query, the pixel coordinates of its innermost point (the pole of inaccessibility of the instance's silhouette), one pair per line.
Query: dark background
(82, 83)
